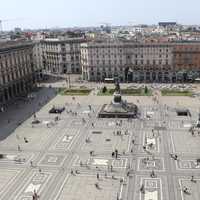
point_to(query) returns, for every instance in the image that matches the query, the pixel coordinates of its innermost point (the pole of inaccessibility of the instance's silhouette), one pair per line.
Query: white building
(61, 55)
(127, 61)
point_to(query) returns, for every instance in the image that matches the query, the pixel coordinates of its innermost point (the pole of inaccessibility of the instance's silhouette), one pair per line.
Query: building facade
(187, 60)
(102, 60)
(38, 62)
(17, 70)
(139, 62)
(62, 55)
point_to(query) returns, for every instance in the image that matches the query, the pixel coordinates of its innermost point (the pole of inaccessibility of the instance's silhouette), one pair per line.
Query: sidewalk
(16, 114)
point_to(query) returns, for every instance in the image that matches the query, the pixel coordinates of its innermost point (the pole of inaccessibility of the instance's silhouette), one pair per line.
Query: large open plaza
(75, 155)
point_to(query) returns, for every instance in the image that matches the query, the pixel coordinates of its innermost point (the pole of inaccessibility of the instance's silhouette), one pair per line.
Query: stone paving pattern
(56, 161)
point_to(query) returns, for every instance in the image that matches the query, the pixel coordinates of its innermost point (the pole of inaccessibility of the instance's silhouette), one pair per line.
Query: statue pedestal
(118, 108)
(117, 99)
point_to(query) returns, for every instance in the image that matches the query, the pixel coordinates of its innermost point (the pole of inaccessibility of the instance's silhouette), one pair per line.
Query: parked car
(55, 110)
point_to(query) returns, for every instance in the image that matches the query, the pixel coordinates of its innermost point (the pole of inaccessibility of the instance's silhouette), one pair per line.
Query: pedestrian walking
(19, 148)
(116, 153)
(35, 195)
(131, 150)
(25, 140)
(192, 132)
(97, 185)
(113, 154)
(128, 173)
(133, 141)
(142, 190)
(97, 176)
(91, 153)
(192, 179)
(111, 168)
(185, 190)
(152, 174)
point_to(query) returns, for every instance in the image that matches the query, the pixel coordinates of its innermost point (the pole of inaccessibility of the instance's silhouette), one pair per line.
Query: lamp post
(69, 81)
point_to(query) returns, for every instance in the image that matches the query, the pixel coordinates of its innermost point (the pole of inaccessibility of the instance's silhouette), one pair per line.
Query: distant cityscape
(100, 113)
(168, 52)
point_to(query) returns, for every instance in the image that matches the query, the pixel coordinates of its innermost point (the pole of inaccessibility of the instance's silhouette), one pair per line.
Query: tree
(146, 90)
(104, 90)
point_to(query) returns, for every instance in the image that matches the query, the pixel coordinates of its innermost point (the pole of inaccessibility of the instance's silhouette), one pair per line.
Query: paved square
(83, 187)
(193, 188)
(186, 163)
(36, 138)
(73, 155)
(100, 163)
(52, 160)
(106, 140)
(152, 188)
(37, 181)
(65, 141)
(19, 158)
(7, 178)
(151, 141)
(183, 142)
(149, 164)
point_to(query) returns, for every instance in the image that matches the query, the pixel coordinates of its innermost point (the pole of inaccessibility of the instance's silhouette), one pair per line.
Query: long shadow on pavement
(20, 110)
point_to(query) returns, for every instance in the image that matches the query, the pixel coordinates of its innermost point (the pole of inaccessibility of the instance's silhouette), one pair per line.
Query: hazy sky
(70, 13)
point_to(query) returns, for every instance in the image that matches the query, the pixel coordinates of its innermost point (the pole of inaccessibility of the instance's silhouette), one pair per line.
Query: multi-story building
(126, 60)
(187, 60)
(62, 55)
(17, 70)
(102, 60)
(149, 62)
(138, 62)
(38, 62)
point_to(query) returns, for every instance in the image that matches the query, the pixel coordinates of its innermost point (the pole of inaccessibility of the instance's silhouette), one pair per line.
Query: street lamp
(69, 81)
